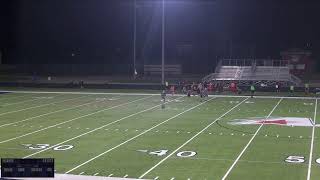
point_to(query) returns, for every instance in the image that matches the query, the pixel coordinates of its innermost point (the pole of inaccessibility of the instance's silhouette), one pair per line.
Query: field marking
(53, 112)
(98, 128)
(112, 107)
(245, 148)
(21, 102)
(312, 141)
(145, 131)
(193, 137)
(148, 94)
(42, 105)
(14, 97)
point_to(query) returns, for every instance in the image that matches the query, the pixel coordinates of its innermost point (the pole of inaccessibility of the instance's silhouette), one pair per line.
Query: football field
(135, 135)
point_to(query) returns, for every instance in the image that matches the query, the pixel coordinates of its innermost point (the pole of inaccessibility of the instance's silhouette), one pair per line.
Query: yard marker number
(44, 146)
(298, 159)
(295, 159)
(183, 154)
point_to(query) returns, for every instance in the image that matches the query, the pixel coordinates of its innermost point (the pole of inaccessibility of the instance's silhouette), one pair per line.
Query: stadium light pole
(163, 41)
(134, 39)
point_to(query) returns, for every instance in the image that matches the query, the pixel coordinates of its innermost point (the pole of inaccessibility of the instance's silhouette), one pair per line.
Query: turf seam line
(128, 140)
(248, 144)
(193, 137)
(312, 141)
(112, 107)
(148, 94)
(42, 105)
(98, 128)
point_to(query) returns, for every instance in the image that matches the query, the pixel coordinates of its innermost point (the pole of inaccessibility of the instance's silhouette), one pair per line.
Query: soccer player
(252, 89)
(306, 88)
(172, 90)
(291, 90)
(277, 88)
(163, 95)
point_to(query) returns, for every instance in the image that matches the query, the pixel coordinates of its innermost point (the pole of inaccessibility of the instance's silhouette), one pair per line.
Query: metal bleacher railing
(247, 71)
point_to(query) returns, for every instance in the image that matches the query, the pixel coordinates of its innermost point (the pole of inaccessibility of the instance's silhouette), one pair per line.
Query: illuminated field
(133, 136)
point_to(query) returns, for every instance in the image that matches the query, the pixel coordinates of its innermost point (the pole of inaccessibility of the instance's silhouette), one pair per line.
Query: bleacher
(246, 75)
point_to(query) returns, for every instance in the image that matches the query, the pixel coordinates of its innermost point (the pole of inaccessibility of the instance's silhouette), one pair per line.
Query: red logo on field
(281, 121)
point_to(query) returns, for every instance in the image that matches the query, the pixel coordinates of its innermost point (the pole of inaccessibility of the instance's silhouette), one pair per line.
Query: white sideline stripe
(312, 141)
(245, 148)
(41, 115)
(196, 135)
(149, 94)
(73, 119)
(105, 152)
(101, 127)
(42, 105)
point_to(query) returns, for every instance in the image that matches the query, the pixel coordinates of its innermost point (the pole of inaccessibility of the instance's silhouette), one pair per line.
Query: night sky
(101, 31)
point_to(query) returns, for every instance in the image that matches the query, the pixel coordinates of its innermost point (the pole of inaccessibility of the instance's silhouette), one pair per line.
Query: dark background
(198, 32)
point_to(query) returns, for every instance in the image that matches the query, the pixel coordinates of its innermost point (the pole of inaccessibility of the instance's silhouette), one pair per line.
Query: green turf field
(134, 136)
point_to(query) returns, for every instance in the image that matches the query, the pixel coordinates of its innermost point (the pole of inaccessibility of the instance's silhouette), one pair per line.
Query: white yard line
(14, 97)
(43, 105)
(11, 139)
(96, 129)
(53, 112)
(148, 94)
(193, 137)
(312, 141)
(125, 142)
(21, 102)
(245, 148)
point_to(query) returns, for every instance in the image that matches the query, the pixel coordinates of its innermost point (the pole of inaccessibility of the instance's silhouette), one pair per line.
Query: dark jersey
(163, 95)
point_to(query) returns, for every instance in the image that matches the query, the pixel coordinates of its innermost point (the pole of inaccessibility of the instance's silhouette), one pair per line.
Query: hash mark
(172, 178)
(96, 174)
(81, 173)
(156, 178)
(110, 175)
(125, 176)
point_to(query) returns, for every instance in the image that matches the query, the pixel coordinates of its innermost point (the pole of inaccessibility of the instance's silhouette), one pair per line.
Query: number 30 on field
(298, 159)
(44, 146)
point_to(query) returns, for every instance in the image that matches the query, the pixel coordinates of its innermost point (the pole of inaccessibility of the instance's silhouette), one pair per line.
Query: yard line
(11, 139)
(125, 142)
(14, 97)
(21, 102)
(96, 129)
(245, 148)
(53, 112)
(196, 135)
(42, 105)
(312, 141)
